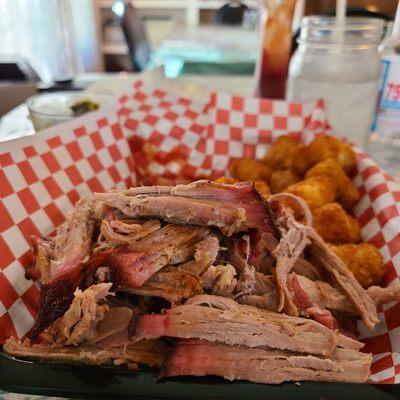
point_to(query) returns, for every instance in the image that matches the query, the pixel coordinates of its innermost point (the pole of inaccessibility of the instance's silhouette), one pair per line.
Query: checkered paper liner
(175, 139)
(172, 139)
(41, 178)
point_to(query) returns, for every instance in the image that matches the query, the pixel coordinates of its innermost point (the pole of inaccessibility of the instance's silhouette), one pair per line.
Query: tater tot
(355, 230)
(364, 261)
(248, 169)
(324, 147)
(281, 151)
(316, 191)
(281, 179)
(347, 157)
(330, 167)
(299, 163)
(226, 180)
(334, 225)
(263, 188)
(350, 195)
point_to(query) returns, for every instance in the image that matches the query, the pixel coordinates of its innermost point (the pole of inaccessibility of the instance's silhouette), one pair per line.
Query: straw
(396, 24)
(298, 14)
(341, 6)
(270, 5)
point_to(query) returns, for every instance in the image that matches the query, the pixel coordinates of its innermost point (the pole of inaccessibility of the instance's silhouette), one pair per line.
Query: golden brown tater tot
(350, 195)
(334, 225)
(324, 147)
(248, 169)
(364, 260)
(330, 167)
(263, 188)
(316, 191)
(281, 179)
(298, 162)
(281, 151)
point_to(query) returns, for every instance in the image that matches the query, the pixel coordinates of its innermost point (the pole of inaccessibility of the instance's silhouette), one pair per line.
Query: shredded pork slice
(204, 256)
(256, 250)
(170, 235)
(306, 269)
(110, 236)
(239, 325)
(172, 284)
(129, 268)
(220, 280)
(86, 321)
(327, 296)
(258, 213)
(307, 307)
(79, 322)
(116, 320)
(257, 289)
(179, 210)
(287, 253)
(182, 282)
(238, 251)
(264, 302)
(72, 250)
(147, 352)
(131, 265)
(254, 282)
(358, 296)
(231, 208)
(382, 296)
(200, 358)
(43, 267)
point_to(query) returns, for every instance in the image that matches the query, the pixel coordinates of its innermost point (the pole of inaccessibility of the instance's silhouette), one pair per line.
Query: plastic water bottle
(384, 144)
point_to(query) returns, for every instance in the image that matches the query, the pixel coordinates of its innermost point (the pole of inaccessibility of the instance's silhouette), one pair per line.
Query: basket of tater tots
(285, 152)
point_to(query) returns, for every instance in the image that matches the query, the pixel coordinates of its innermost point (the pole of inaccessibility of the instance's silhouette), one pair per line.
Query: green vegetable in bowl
(84, 106)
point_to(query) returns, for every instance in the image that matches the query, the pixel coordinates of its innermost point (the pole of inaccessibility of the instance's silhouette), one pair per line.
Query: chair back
(134, 32)
(231, 13)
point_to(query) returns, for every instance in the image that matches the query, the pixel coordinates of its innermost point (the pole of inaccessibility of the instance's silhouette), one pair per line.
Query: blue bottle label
(387, 116)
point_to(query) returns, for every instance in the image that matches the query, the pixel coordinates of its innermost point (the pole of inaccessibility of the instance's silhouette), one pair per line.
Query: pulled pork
(239, 290)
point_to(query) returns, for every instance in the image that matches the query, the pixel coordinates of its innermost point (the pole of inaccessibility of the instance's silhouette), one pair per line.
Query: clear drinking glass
(341, 64)
(53, 108)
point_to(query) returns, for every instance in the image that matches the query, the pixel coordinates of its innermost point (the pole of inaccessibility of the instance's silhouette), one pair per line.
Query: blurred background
(95, 39)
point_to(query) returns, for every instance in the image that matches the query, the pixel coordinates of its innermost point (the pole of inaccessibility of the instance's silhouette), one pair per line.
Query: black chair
(135, 34)
(231, 13)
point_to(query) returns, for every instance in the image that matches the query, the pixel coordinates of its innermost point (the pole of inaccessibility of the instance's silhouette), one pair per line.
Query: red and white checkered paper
(176, 138)
(41, 178)
(172, 139)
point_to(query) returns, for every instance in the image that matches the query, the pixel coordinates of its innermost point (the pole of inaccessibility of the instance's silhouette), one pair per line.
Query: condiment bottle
(276, 40)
